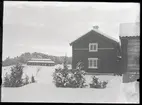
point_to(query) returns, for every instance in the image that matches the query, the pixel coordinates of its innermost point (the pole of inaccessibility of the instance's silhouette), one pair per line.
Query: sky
(49, 27)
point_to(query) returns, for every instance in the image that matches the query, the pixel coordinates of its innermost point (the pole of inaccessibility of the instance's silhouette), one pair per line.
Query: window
(93, 47)
(93, 63)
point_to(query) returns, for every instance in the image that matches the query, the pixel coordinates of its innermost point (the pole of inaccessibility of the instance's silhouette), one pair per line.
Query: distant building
(98, 52)
(41, 62)
(130, 47)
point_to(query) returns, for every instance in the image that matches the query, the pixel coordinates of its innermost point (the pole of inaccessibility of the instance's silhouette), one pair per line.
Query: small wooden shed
(130, 47)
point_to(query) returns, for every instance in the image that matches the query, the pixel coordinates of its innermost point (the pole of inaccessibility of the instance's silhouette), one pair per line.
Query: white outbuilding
(41, 62)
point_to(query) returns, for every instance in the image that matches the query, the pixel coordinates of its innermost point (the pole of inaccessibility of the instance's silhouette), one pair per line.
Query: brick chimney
(95, 27)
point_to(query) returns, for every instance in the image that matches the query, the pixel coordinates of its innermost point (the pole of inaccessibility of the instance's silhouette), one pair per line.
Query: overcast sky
(49, 27)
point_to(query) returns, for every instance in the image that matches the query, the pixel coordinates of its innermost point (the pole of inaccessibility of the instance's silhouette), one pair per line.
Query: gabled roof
(129, 29)
(96, 30)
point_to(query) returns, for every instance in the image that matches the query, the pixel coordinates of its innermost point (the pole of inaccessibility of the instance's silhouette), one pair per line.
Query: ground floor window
(93, 63)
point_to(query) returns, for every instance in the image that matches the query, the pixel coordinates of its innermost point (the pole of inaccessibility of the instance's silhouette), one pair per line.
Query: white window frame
(93, 66)
(93, 44)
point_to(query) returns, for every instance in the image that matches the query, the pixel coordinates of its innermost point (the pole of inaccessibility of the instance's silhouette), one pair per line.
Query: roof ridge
(101, 33)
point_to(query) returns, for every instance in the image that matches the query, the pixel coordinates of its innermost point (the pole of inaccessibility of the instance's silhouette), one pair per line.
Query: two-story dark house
(97, 51)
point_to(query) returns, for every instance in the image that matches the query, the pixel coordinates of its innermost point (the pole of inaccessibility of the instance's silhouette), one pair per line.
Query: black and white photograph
(70, 52)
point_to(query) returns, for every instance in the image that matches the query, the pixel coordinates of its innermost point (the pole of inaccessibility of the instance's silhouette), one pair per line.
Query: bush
(73, 78)
(59, 77)
(26, 80)
(33, 79)
(7, 82)
(15, 78)
(117, 74)
(96, 83)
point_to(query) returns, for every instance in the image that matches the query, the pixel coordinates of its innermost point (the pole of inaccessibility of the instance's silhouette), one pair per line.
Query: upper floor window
(93, 47)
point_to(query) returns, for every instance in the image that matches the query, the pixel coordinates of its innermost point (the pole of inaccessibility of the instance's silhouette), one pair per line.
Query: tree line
(23, 58)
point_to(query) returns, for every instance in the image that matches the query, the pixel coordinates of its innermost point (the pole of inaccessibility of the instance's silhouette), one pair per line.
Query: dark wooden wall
(128, 45)
(130, 49)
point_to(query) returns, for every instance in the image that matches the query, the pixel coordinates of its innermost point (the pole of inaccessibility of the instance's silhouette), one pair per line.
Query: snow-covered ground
(45, 91)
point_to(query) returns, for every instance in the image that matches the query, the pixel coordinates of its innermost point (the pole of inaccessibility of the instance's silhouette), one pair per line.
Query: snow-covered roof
(129, 29)
(104, 34)
(35, 59)
(101, 33)
(41, 61)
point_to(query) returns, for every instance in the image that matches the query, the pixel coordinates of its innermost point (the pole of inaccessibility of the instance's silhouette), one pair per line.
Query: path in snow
(42, 74)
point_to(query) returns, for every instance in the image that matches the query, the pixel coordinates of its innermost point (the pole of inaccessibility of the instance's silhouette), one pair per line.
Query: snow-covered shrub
(80, 65)
(76, 78)
(38, 69)
(59, 77)
(33, 79)
(14, 79)
(117, 74)
(26, 80)
(96, 83)
(7, 82)
(73, 78)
